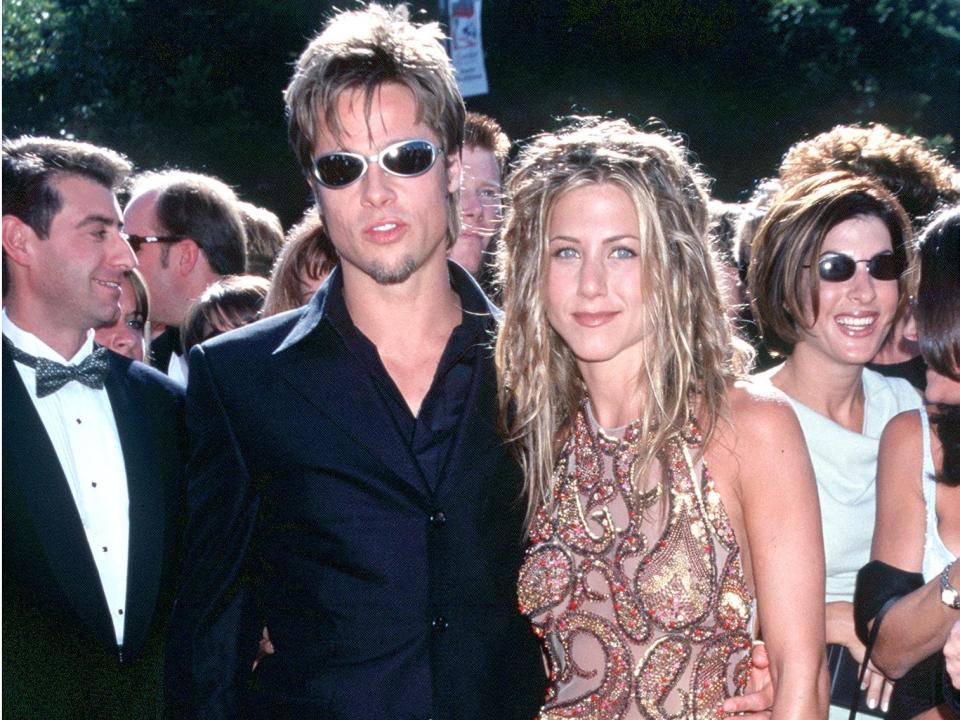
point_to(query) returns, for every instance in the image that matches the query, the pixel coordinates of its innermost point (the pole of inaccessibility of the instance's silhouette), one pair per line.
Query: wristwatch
(949, 595)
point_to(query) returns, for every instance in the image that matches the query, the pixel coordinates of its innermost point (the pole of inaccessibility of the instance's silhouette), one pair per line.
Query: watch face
(950, 597)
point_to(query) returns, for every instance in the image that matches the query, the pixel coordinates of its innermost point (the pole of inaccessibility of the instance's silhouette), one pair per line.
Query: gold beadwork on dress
(639, 598)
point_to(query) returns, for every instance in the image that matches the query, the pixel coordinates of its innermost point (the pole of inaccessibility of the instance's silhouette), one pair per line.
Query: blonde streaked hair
(692, 355)
(362, 50)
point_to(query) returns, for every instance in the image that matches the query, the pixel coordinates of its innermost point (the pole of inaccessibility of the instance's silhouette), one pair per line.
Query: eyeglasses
(136, 241)
(838, 267)
(408, 158)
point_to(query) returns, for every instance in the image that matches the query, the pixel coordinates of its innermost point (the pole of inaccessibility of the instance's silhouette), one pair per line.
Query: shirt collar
(329, 304)
(31, 344)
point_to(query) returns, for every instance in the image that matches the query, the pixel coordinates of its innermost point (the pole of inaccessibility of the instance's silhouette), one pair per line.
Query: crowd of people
(556, 437)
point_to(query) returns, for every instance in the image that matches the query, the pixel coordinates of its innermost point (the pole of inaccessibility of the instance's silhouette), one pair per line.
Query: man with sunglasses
(92, 451)
(187, 232)
(348, 489)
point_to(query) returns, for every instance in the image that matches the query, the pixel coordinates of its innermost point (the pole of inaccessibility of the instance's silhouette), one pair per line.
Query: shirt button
(104, 548)
(439, 624)
(438, 518)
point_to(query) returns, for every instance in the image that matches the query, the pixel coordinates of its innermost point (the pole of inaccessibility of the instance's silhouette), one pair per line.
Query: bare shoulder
(757, 431)
(760, 413)
(901, 454)
(903, 429)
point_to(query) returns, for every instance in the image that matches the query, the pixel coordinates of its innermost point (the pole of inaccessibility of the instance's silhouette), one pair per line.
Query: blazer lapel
(312, 360)
(146, 506)
(31, 463)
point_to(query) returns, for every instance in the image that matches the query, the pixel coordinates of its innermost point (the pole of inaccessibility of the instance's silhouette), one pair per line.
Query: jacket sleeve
(214, 630)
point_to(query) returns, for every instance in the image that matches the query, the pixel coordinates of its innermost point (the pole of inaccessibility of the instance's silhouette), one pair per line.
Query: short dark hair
(264, 237)
(791, 236)
(231, 302)
(30, 164)
(938, 296)
(202, 208)
(482, 131)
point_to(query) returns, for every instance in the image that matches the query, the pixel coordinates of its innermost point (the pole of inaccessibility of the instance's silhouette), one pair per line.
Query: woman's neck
(833, 390)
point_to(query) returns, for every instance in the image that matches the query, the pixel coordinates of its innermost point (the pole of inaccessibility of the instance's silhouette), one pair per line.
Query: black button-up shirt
(430, 433)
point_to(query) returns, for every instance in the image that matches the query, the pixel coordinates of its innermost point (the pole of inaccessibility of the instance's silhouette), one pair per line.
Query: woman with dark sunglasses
(827, 284)
(917, 538)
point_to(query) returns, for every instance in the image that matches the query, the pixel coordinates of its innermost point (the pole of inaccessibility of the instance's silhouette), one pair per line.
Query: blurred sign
(466, 46)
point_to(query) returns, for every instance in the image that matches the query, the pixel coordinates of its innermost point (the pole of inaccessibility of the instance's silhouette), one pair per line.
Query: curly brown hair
(918, 177)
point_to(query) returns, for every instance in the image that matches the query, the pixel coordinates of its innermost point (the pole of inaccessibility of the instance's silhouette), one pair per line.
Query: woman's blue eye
(566, 253)
(623, 252)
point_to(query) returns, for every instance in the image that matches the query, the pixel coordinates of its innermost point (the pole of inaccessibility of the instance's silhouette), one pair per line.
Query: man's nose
(122, 254)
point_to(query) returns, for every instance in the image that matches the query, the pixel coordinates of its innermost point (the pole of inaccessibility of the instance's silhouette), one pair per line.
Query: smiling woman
(656, 538)
(827, 282)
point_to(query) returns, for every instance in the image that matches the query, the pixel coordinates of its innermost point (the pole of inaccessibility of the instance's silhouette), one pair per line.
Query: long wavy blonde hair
(692, 354)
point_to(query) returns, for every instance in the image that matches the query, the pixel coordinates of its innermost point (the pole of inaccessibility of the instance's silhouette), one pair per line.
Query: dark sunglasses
(837, 267)
(137, 241)
(403, 159)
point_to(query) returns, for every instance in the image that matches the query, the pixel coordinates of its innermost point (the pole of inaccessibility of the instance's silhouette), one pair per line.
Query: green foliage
(904, 52)
(199, 84)
(32, 30)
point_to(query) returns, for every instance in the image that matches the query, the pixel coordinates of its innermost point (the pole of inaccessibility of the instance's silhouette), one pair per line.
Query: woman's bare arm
(918, 624)
(781, 515)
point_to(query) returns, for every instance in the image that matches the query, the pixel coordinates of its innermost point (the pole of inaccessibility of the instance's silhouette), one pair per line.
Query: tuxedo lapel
(32, 467)
(314, 365)
(146, 504)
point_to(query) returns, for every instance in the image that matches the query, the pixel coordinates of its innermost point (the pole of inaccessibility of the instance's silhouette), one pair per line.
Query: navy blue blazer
(309, 514)
(60, 657)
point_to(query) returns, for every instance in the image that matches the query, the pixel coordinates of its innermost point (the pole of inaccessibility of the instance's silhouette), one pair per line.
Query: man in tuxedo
(187, 231)
(347, 486)
(92, 456)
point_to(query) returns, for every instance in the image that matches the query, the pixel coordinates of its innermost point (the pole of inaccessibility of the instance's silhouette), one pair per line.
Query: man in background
(485, 151)
(187, 232)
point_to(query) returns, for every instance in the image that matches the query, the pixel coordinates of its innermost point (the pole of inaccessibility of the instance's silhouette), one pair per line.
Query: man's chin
(393, 275)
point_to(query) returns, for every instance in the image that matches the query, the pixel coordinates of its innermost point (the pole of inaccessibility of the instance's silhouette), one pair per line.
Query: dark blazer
(310, 515)
(60, 657)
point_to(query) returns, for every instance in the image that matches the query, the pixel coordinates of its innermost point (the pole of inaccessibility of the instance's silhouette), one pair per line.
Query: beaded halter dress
(639, 598)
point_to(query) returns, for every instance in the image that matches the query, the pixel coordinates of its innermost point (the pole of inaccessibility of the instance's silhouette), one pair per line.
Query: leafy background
(198, 85)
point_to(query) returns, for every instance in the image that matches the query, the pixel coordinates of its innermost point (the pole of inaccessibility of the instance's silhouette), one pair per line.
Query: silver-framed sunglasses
(407, 158)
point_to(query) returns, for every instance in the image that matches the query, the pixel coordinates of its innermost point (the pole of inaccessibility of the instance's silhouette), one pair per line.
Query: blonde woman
(672, 507)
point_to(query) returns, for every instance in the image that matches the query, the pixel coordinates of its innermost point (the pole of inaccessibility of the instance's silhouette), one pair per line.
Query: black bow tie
(51, 376)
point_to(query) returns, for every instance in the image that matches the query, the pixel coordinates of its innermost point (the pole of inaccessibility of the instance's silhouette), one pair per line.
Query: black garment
(60, 658)
(163, 346)
(430, 433)
(384, 567)
(921, 687)
(913, 371)
(952, 694)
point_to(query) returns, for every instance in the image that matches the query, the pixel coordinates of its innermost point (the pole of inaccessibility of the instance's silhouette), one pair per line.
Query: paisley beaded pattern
(639, 598)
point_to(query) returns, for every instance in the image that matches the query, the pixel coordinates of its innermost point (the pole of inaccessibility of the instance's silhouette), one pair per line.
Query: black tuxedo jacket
(310, 515)
(60, 657)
